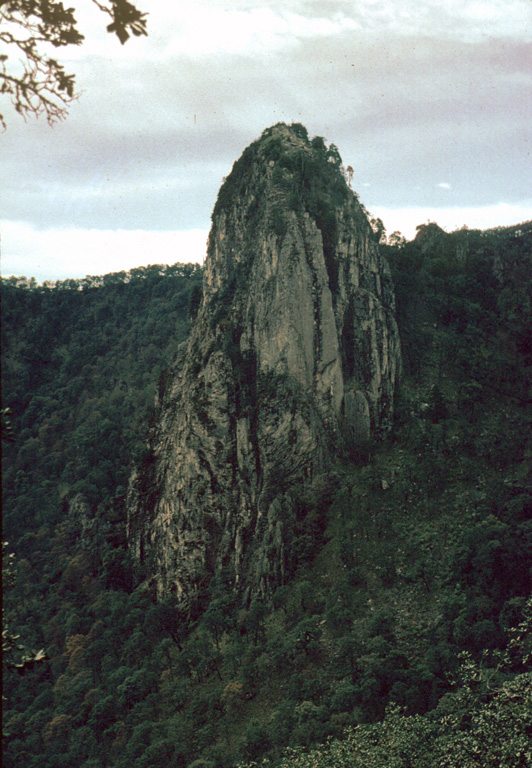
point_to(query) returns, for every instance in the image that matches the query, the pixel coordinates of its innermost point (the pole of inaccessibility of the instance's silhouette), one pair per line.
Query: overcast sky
(430, 101)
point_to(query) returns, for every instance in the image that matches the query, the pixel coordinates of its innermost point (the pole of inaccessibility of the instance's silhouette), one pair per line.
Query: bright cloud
(405, 220)
(255, 27)
(208, 27)
(58, 254)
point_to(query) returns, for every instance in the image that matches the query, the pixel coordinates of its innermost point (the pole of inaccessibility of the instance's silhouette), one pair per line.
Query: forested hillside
(82, 360)
(403, 630)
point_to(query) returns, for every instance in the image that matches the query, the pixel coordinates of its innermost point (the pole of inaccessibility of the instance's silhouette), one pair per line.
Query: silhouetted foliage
(38, 84)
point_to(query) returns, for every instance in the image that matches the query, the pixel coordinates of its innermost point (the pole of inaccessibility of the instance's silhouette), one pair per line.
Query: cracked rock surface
(293, 355)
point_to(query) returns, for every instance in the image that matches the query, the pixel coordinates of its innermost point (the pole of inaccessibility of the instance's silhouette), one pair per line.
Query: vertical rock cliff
(293, 355)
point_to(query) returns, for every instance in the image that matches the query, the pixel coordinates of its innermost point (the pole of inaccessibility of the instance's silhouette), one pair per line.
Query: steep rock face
(294, 353)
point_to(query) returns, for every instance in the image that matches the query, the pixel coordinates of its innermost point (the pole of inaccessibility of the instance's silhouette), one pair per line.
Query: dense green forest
(403, 634)
(82, 361)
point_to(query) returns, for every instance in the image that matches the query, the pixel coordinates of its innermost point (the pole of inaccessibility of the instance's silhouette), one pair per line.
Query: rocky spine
(293, 356)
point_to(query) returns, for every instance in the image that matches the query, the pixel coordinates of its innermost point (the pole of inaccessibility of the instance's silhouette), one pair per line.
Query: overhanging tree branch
(38, 84)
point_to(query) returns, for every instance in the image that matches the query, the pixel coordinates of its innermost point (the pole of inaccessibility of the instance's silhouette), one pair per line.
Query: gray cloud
(148, 143)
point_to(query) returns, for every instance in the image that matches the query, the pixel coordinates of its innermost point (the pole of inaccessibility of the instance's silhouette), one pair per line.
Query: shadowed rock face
(294, 353)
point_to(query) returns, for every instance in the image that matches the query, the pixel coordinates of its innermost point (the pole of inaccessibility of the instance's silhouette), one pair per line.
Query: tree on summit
(379, 230)
(349, 172)
(38, 84)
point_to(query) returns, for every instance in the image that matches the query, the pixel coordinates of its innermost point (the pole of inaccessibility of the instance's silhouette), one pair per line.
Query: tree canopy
(400, 633)
(36, 83)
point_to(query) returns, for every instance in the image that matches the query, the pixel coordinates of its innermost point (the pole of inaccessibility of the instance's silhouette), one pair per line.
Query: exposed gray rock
(294, 348)
(81, 519)
(357, 415)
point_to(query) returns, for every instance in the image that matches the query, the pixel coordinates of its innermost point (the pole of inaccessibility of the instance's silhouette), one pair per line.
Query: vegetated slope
(458, 560)
(413, 553)
(80, 369)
